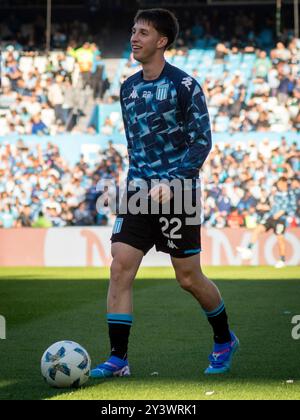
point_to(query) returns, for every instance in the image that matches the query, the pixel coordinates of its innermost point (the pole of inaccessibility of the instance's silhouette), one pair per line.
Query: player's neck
(153, 69)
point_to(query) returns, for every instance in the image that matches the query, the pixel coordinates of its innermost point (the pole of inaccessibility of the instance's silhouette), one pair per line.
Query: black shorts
(170, 233)
(278, 226)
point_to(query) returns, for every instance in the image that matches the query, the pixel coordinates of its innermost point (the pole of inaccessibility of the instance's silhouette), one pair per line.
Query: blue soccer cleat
(221, 357)
(113, 367)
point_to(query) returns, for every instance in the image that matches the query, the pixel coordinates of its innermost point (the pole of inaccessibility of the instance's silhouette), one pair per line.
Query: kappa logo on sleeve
(187, 82)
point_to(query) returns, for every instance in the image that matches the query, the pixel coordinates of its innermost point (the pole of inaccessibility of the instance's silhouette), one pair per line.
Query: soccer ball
(66, 364)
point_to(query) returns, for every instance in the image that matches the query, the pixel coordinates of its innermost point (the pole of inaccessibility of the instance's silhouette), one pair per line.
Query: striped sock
(219, 322)
(119, 329)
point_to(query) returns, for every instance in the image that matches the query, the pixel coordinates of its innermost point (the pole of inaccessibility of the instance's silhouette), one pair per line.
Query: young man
(168, 133)
(284, 205)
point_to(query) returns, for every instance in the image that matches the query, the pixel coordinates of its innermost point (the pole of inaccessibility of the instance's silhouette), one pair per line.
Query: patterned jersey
(285, 201)
(167, 125)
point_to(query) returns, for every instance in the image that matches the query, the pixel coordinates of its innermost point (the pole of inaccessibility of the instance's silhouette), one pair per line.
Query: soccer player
(169, 137)
(284, 205)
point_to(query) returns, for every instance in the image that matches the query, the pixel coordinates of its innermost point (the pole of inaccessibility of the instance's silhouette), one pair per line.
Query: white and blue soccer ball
(66, 364)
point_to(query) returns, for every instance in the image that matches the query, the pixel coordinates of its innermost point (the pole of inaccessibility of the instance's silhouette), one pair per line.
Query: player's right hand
(161, 193)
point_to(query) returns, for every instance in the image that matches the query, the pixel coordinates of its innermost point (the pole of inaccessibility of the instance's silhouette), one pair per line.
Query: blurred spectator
(42, 221)
(25, 218)
(251, 218)
(38, 126)
(235, 220)
(262, 65)
(55, 96)
(85, 58)
(7, 216)
(82, 215)
(99, 79)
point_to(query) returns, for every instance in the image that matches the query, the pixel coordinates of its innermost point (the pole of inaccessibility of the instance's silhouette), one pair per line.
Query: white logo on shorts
(171, 245)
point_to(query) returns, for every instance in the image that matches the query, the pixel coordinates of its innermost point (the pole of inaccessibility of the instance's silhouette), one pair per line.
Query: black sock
(119, 329)
(219, 322)
(282, 258)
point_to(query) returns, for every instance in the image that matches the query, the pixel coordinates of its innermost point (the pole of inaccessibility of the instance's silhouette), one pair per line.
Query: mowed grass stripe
(102, 273)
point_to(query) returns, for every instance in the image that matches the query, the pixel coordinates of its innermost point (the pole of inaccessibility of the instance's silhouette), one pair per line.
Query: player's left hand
(161, 193)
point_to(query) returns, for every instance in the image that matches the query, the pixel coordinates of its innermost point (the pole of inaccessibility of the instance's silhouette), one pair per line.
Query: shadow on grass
(232, 385)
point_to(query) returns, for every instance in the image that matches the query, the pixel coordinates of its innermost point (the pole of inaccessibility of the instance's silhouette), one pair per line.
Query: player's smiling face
(146, 41)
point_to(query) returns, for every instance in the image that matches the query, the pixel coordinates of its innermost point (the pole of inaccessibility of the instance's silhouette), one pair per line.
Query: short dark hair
(283, 179)
(164, 21)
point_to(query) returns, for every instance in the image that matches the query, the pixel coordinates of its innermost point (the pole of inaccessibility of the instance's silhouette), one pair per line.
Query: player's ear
(162, 43)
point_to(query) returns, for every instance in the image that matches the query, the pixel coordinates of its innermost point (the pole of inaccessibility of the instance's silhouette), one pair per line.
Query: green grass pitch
(170, 335)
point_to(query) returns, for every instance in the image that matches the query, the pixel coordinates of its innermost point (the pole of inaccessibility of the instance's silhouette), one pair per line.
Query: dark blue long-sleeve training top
(167, 125)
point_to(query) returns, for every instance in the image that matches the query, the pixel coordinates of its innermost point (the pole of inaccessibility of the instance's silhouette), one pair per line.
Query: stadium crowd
(44, 95)
(240, 26)
(47, 95)
(39, 188)
(267, 100)
(240, 182)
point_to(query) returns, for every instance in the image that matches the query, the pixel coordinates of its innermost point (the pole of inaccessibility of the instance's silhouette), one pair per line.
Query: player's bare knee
(119, 271)
(186, 279)
(189, 280)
